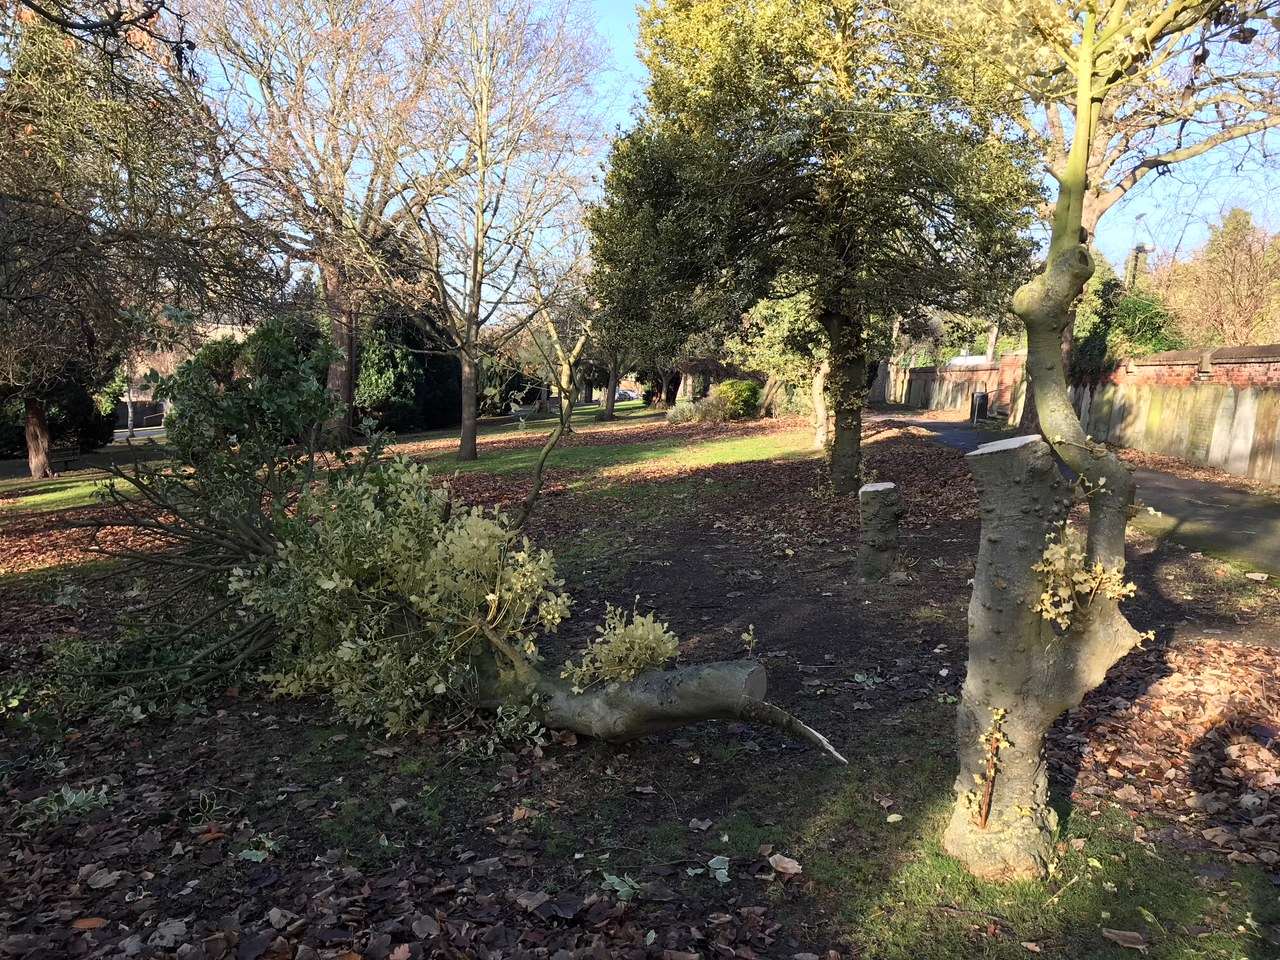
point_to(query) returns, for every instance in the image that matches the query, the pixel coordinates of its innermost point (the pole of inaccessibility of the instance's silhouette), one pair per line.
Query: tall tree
(1045, 623)
(515, 96)
(812, 141)
(644, 274)
(329, 107)
(106, 217)
(1214, 82)
(112, 26)
(1213, 85)
(1227, 293)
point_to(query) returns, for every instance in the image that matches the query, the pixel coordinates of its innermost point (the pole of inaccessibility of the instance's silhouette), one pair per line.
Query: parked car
(624, 395)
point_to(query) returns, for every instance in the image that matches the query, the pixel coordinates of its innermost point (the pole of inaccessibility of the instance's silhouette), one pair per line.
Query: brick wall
(950, 386)
(1234, 366)
(1225, 413)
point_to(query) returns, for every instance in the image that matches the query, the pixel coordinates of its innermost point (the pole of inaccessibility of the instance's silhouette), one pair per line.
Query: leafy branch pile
(356, 579)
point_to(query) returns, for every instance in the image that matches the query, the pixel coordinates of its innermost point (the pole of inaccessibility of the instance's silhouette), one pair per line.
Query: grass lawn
(247, 805)
(59, 493)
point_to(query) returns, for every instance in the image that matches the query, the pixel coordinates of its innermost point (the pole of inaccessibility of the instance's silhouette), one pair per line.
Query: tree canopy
(812, 143)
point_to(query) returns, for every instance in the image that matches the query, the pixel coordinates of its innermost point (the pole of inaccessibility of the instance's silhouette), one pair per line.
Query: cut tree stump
(881, 510)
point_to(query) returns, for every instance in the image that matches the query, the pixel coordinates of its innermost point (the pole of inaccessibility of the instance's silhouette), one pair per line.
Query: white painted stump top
(876, 487)
(1001, 446)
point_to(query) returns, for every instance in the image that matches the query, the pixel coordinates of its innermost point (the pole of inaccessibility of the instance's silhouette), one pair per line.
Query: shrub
(388, 380)
(380, 590)
(738, 397)
(245, 400)
(682, 413)
(380, 593)
(1114, 323)
(729, 400)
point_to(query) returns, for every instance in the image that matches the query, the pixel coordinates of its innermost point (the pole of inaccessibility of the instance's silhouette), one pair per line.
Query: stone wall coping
(1265, 353)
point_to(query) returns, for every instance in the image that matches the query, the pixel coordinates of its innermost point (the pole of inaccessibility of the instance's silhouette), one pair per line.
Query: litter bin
(978, 406)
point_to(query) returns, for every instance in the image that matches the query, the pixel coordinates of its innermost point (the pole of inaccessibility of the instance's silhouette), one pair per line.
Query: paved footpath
(1216, 520)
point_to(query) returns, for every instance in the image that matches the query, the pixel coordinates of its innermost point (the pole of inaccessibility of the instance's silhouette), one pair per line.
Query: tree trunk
(1002, 824)
(1023, 670)
(821, 415)
(1026, 669)
(847, 381)
(568, 388)
(610, 396)
(768, 397)
(687, 387)
(656, 700)
(879, 510)
(1029, 422)
(341, 382)
(467, 439)
(128, 405)
(37, 430)
(993, 336)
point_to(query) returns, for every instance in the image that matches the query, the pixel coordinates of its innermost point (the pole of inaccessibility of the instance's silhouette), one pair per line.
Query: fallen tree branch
(660, 700)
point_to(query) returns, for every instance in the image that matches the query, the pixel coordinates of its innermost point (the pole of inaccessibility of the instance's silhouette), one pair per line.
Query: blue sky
(1172, 212)
(616, 21)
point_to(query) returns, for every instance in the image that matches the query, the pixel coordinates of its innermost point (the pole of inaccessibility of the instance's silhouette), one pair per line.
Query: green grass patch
(891, 890)
(676, 454)
(39, 496)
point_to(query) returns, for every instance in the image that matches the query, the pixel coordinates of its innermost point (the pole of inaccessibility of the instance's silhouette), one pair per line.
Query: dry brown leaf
(1129, 939)
(785, 865)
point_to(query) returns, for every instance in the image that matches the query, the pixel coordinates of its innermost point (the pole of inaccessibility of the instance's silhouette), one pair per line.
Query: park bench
(63, 458)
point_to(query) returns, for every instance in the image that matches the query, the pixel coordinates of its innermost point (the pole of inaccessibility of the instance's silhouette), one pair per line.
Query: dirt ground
(254, 828)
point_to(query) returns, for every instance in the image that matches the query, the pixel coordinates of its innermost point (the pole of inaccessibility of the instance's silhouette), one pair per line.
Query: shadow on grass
(876, 888)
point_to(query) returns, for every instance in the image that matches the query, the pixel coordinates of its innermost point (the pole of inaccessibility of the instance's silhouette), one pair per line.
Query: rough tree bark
(879, 510)
(341, 382)
(610, 396)
(821, 415)
(1002, 825)
(847, 381)
(37, 433)
(467, 438)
